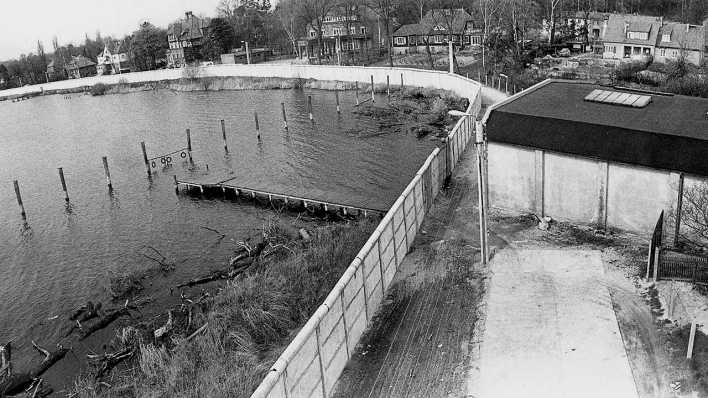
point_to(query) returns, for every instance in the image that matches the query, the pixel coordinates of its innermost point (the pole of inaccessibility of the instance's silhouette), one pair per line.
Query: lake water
(64, 255)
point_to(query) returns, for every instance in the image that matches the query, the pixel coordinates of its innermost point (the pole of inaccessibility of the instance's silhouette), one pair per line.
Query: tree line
(505, 26)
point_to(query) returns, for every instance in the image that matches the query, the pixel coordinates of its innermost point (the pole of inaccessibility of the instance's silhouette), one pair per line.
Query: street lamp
(480, 146)
(248, 54)
(506, 85)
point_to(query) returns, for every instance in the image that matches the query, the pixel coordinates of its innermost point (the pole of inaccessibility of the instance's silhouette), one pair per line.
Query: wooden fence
(664, 263)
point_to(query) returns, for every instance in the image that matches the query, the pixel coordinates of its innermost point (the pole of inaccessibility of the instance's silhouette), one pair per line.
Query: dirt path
(550, 329)
(419, 345)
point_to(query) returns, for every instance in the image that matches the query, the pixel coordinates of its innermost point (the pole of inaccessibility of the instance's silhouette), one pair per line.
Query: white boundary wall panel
(412, 77)
(358, 294)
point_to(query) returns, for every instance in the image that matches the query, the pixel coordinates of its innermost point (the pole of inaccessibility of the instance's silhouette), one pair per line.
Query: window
(475, 40)
(662, 52)
(638, 35)
(438, 39)
(313, 33)
(337, 31)
(362, 30)
(666, 37)
(400, 41)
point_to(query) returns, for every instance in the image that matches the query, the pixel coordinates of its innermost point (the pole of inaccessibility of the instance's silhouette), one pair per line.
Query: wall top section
(412, 77)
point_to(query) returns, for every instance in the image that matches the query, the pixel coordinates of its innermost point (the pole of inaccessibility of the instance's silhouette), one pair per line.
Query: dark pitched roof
(670, 133)
(413, 29)
(592, 15)
(79, 62)
(438, 20)
(638, 23)
(690, 37)
(444, 18)
(189, 28)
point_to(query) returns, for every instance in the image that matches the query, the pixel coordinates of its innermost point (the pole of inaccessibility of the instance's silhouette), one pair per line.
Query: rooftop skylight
(618, 98)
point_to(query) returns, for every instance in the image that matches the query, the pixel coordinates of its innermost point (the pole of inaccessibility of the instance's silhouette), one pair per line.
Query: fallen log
(108, 361)
(18, 382)
(159, 332)
(214, 276)
(102, 322)
(92, 311)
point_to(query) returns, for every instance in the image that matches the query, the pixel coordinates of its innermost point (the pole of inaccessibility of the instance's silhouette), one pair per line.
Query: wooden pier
(226, 186)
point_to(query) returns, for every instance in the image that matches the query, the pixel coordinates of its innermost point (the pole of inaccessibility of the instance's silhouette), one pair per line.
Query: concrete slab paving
(550, 329)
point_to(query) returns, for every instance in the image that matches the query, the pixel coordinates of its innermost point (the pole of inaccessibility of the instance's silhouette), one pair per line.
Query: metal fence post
(344, 322)
(383, 288)
(679, 206)
(319, 357)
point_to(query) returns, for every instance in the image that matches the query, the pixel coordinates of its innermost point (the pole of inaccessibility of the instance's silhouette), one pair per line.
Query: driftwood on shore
(15, 383)
(238, 264)
(107, 361)
(103, 321)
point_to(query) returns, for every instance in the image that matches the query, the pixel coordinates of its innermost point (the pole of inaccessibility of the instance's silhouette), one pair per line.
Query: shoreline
(219, 83)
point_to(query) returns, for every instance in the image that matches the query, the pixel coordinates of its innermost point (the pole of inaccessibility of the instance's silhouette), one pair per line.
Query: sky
(26, 21)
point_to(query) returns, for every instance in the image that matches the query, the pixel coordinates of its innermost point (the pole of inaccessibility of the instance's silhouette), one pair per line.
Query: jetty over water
(227, 186)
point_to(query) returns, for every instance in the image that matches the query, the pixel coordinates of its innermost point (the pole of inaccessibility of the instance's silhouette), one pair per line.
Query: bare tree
(488, 10)
(385, 9)
(447, 13)
(553, 4)
(694, 215)
(420, 5)
(315, 11)
(288, 15)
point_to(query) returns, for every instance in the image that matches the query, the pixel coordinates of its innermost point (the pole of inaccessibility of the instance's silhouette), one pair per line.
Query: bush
(628, 71)
(688, 85)
(99, 89)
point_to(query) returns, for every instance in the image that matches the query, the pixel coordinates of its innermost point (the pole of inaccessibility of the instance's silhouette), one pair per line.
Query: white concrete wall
(460, 85)
(581, 190)
(314, 360)
(511, 181)
(572, 188)
(636, 197)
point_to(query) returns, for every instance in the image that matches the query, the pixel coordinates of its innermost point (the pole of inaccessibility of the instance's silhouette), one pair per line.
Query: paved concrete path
(550, 329)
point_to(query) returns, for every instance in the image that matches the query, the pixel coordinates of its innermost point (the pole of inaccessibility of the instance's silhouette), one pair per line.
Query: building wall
(619, 53)
(580, 190)
(671, 54)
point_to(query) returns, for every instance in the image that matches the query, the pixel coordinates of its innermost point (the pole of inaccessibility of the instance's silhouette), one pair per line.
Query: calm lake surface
(64, 255)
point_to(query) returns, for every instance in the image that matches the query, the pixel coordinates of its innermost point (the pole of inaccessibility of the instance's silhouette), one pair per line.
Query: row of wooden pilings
(188, 151)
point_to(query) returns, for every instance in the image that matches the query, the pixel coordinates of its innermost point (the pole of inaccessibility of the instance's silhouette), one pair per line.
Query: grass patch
(249, 324)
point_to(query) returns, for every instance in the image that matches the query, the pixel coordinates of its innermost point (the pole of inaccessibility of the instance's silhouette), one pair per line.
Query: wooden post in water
(63, 184)
(372, 89)
(309, 107)
(108, 173)
(189, 145)
(388, 87)
(356, 88)
(19, 199)
(401, 81)
(285, 118)
(258, 127)
(174, 177)
(336, 96)
(223, 134)
(145, 158)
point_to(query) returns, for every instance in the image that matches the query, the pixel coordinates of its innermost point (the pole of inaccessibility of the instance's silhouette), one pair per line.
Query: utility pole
(482, 188)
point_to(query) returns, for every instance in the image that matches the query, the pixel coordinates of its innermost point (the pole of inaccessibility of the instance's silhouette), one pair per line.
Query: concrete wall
(580, 190)
(672, 54)
(460, 85)
(314, 360)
